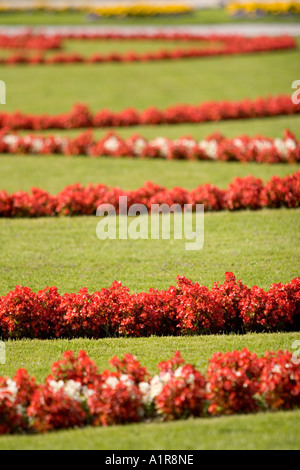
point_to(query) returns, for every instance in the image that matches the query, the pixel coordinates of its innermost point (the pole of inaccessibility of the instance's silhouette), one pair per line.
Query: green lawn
(260, 247)
(277, 430)
(140, 85)
(265, 431)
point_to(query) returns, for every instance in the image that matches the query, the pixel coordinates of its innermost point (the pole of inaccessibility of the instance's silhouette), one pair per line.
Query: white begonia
(162, 144)
(262, 144)
(156, 386)
(126, 380)
(139, 145)
(210, 148)
(72, 388)
(145, 389)
(276, 369)
(111, 144)
(190, 379)
(112, 382)
(36, 145)
(290, 144)
(178, 371)
(62, 142)
(238, 142)
(10, 391)
(10, 140)
(56, 385)
(189, 143)
(280, 147)
(12, 387)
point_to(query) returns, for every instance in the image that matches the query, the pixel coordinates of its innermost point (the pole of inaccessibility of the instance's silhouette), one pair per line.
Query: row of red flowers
(81, 116)
(215, 147)
(229, 46)
(186, 308)
(243, 193)
(29, 41)
(76, 394)
(110, 34)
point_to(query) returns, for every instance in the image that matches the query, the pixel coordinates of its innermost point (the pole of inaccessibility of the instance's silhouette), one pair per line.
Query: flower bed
(229, 45)
(81, 116)
(142, 9)
(243, 193)
(187, 308)
(215, 147)
(273, 8)
(26, 41)
(119, 10)
(76, 394)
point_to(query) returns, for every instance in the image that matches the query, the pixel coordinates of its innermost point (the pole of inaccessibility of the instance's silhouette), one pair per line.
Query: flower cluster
(76, 394)
(216, 45)
(140, 9)
(273, 8)
(81, 116)
(242, 193)
(215, 147)
(186, 308)
(121, 10)
(28, 40)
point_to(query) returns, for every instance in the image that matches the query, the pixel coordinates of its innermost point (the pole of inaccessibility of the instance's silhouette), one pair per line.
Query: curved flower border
(230, 45)
(241, 194)
(81, 116)
(215, 147)
(183, 309)
(76, 394)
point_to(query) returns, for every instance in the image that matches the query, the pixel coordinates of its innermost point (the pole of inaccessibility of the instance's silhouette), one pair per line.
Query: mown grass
(277, 430)
(141, 85)
(37, 356)
(259, 247)
(54, 173)
(265, 431)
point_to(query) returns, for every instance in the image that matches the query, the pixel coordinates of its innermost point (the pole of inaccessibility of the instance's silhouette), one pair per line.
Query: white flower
(210, 148)
(178, 371)
(156, 387)
(126, 380)
(161, 144)
(111, 144)
(36, 145)
(238, 142)
(10, 140)
(191, 379)
(73, 389)
(189, 143)
(145, 389)
(290, 144)
(139, 145)
(280, 147)
(10, 391)
(276, 369)
(112, 382)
